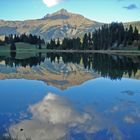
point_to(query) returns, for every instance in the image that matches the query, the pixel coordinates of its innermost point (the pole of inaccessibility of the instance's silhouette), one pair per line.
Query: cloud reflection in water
(54, 118)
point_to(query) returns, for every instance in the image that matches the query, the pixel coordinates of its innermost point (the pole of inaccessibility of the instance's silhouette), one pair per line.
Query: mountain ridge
(56, 25)
(59, 24)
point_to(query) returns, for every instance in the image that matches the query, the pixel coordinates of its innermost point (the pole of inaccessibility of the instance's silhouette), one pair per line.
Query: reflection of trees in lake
(32, 61)
(112, 66)
(13, 55)
(115, 66)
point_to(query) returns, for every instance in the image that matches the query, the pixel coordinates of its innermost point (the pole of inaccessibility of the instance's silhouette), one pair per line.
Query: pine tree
(52, 44)
(136, 34)
(85, 42)
(58, 44)
(130, 35)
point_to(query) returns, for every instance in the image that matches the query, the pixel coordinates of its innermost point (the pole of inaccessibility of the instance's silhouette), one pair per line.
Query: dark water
(70, 96)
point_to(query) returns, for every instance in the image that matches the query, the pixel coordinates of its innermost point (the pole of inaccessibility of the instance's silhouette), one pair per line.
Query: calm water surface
(64, 96)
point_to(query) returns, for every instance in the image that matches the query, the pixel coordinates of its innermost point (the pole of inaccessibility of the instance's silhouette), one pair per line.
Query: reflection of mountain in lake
(60, 75)
(66, 69)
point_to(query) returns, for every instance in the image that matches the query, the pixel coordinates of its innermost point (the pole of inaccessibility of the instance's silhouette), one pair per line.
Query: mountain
(59, 24)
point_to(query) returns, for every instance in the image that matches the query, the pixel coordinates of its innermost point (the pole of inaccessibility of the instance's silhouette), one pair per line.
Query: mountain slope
(59, 24)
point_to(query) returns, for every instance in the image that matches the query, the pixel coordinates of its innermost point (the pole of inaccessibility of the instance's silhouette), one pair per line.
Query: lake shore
(32, 49)
(96, 51)
(122, 52)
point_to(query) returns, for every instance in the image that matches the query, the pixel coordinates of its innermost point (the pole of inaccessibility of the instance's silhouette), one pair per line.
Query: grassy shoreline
(32, 49)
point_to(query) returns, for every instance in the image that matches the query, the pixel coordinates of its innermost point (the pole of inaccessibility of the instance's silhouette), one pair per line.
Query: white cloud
(51, 3)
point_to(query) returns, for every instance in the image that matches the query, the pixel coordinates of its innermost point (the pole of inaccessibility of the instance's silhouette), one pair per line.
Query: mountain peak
(62, 11)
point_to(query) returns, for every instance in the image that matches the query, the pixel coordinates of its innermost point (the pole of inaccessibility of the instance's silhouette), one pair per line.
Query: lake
(69, 96)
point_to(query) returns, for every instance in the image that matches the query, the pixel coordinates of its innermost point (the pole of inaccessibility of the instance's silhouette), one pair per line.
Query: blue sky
(99, 10)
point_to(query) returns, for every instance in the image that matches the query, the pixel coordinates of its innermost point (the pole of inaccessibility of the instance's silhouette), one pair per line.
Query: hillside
(59, 24)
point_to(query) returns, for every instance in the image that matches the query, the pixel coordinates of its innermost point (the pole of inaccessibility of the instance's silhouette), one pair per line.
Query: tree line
(31, 39)
(109, 36)
(67, 44)
(114, 35)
